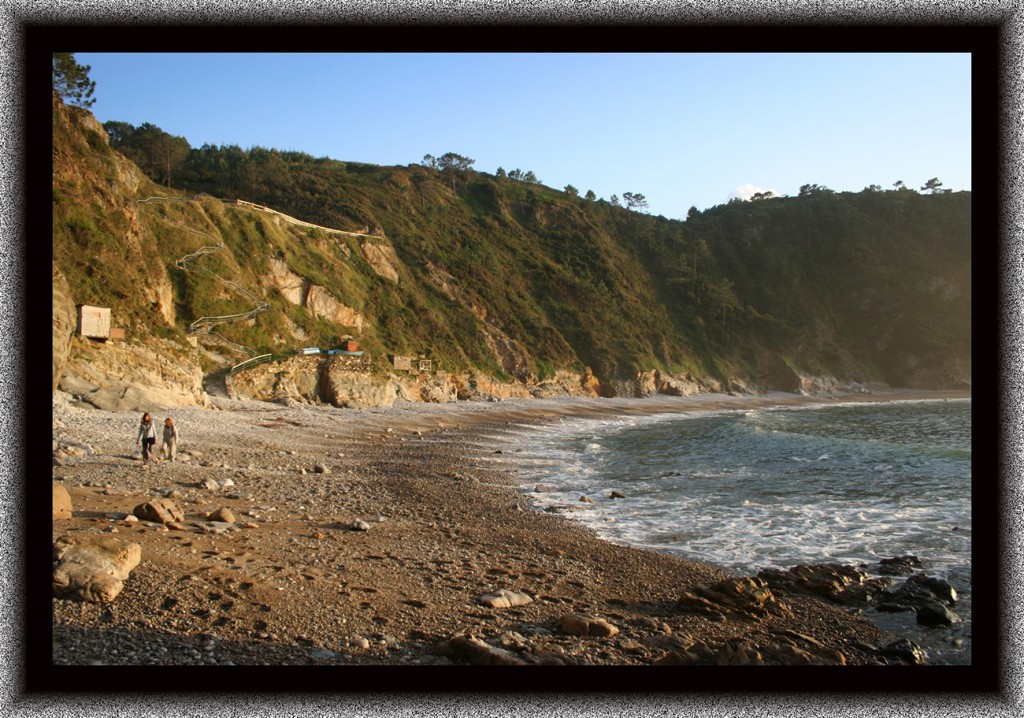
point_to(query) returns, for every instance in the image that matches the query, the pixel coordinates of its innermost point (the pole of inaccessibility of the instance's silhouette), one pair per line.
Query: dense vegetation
(868, 286)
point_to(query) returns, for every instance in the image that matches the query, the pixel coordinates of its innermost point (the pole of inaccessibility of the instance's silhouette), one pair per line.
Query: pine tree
(71, 80)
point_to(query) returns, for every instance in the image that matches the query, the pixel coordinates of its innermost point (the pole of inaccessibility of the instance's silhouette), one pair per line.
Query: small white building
(94, 322)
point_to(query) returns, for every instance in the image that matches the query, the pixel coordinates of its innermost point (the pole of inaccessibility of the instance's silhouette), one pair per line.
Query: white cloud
(746, 191)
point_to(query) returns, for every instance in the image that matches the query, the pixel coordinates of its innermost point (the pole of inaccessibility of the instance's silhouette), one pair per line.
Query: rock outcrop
(382, 258)
(64, 323)
(745, 597)
(318, 300)
(129, 376)
(357, 390)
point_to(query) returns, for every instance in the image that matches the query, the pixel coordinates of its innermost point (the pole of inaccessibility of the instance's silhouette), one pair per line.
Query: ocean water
(772, 488)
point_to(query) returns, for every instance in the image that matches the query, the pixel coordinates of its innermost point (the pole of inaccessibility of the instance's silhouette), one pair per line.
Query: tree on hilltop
(634, 200)
(71, 80)
(452, 161)
(934, 186)
(157, 153)
(809, 190)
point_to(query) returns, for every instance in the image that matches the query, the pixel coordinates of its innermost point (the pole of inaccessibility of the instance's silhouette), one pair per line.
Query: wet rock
(923, 584)
(93, 568)
(503, 598)
(586, 500)
(834, 582)
(899, 565)
(578, 624)
(905, 651)
(935, 614)
(916, 592)
(616, 495)
(744, 597)
(160, 511)
(61, 502)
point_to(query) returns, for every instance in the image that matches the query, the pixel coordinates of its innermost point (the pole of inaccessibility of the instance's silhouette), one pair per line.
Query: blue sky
(682, 129)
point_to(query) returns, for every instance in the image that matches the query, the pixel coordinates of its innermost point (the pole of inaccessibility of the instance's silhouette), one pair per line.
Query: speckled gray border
(579, 700)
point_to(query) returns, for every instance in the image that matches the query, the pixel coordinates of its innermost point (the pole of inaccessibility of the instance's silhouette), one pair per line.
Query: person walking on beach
(147, 437)
(170, 439)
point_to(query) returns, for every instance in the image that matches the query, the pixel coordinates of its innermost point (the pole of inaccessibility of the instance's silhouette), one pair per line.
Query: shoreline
(290, 582)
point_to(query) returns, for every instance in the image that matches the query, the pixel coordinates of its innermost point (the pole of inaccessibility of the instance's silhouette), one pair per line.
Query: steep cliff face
(64, 323)
(102, 257)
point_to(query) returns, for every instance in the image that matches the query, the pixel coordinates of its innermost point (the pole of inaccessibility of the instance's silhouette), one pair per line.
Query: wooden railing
(250, 363)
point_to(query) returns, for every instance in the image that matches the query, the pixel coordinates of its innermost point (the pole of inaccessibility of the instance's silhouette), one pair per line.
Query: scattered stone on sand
(479, 653)
(223, 514)
(503, 598)
(289, 583)
(576, 624)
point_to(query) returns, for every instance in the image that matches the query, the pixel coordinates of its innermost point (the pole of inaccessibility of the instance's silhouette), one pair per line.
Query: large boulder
(61, 502)
(918, 591)
(162, 511)
(92, 567)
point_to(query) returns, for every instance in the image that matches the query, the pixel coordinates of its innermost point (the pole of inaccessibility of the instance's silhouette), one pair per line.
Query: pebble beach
(383, 537)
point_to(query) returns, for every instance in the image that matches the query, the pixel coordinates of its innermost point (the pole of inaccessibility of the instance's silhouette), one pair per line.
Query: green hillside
(513, 278)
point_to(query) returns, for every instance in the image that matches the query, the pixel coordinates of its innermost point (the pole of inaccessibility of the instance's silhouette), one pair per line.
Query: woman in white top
(147, 437)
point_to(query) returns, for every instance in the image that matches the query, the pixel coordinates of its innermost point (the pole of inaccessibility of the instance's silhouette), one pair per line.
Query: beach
(376, 537)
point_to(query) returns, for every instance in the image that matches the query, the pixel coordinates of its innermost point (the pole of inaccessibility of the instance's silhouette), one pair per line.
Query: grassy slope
(868, 286)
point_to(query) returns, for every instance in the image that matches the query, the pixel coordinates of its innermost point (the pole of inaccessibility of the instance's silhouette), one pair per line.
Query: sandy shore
(292, 582)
